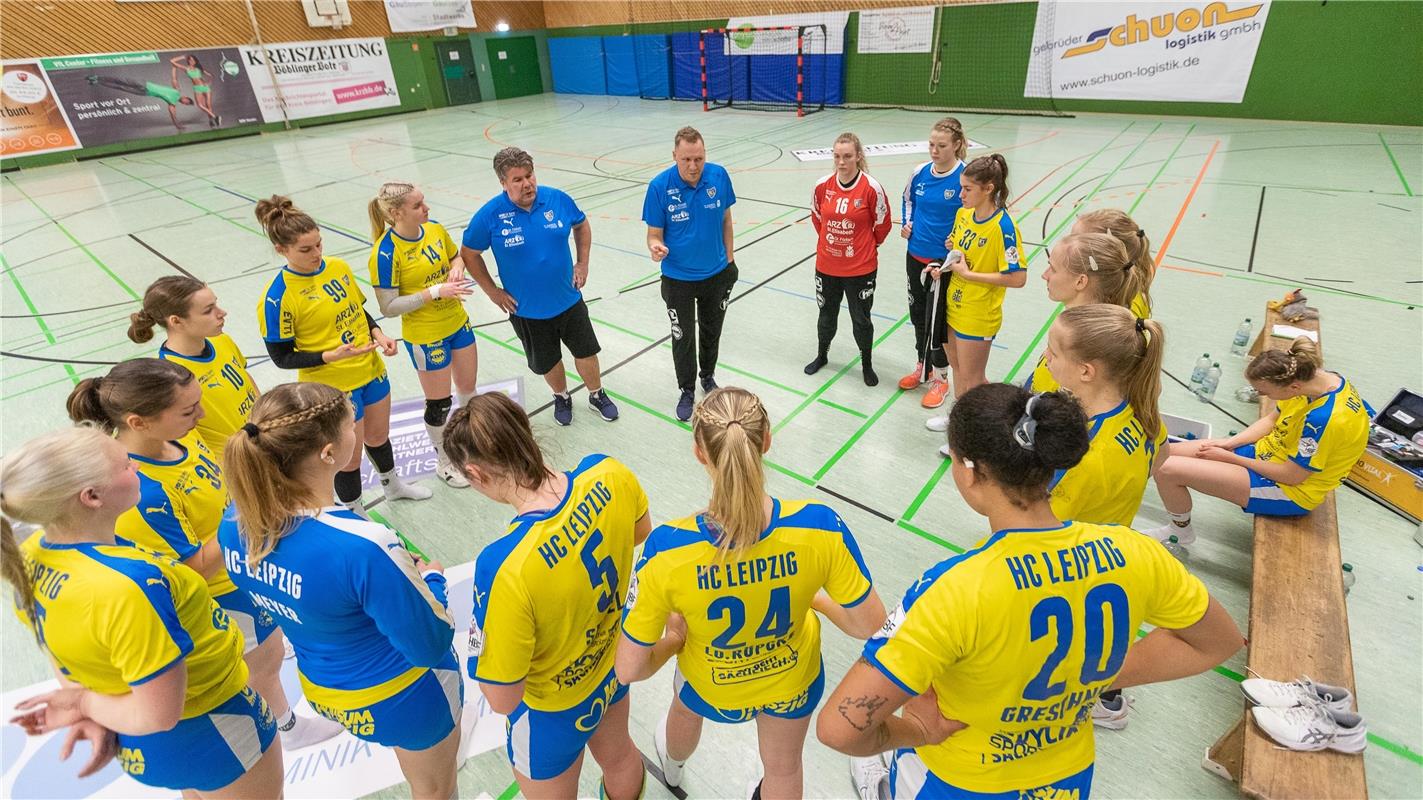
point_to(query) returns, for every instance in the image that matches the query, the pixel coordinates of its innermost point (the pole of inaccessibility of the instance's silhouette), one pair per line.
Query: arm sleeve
(646, 611)
(144, 635)
(370, 320)
(906, 202)
(392, 303)
(398, 601)
(476, 234)
(653, 212)
(159, 511)
(1311, 453)
(285, 355)
(848, 582)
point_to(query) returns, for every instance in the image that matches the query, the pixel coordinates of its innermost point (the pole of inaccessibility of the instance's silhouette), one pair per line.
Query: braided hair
(730, 427)
(1283, 367)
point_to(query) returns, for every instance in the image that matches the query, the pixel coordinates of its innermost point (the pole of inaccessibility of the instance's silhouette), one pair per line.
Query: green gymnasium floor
(1239, 211)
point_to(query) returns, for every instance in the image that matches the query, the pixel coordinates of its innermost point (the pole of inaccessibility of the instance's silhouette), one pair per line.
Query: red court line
(1190, 270)
(1180, 215)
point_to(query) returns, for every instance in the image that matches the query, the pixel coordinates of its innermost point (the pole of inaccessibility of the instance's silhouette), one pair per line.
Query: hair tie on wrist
(251, 430)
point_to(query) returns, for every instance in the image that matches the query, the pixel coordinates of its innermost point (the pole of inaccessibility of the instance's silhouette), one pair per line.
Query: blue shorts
(1266, 496)
(368, 395)
(255, 623)
(795, 708)
(909, 778)
(206, 752)
(544, 744)
(436, 355)
(417, 718)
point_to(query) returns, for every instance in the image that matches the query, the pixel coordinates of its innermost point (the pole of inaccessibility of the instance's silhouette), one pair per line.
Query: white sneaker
(451, 476)
(307, 731)
(1313, 726)
(396, 489)
(671, 770)
(870, 777)
(1113, 719)
(944, 450)
(938, 424)
(1164, 533)
(1277, 694)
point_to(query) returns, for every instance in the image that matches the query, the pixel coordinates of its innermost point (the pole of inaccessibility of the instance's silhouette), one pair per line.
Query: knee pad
(437, 411)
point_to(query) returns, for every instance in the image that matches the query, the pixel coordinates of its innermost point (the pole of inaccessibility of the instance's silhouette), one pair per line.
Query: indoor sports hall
(1288, 157)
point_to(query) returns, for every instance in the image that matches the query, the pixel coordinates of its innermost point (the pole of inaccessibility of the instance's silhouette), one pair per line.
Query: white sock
(437, 440)
(564, 394)
(288, 722)
(464, 398)
(1181, 520)
(942, 373)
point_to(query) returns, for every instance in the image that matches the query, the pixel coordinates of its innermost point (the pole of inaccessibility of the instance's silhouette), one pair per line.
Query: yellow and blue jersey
(1041, 379)
(180, 504)
(1107, 485)
(411, 266)
(752, 638)
(1020, 635)
(976, 309)
(549, 593)
(228, 390)
(1325, 435)
(317, 312)
(116, 616)
(344, 590)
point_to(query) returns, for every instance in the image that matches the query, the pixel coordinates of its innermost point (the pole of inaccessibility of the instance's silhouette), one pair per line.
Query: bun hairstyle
(381, 209)
(729, 426)
(1283, 367)
(1116, 223)
(992, 168)
(169, 296)
(1017, 439)
(283, 221)
(142, 386)
(492, 432)
(1114, 278)
(954, 129)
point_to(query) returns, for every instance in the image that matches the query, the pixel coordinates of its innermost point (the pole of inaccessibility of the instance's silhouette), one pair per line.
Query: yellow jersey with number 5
(975, 310)
(228, 391)
(321, 311)
(411, 266)
(1019, 636)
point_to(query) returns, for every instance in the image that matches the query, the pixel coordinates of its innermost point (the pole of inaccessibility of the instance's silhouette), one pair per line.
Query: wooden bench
(1299, 625)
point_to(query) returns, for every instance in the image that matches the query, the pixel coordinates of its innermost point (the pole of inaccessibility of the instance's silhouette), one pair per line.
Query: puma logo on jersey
(274, 301)
(163, 509)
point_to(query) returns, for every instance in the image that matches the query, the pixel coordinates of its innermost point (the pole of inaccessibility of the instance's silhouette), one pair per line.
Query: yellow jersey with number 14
(228, 391)
(1020, 635)
(1325, 435)
(975, 310)
(321, 311)
(1107, 485)
(411, 266)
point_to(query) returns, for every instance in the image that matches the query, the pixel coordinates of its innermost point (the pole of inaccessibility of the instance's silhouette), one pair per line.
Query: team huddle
(191, 527)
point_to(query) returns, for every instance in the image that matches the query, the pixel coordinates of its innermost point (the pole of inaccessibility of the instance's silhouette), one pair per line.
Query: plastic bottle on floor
(1241, 342)
(1349, 577)
(1208, 386)
(1198, 374)
(1175, 548)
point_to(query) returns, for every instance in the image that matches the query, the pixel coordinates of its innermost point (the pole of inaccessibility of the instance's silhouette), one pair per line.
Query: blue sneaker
(601, 404)
(563, 409)
(685, 403)
(708, 383)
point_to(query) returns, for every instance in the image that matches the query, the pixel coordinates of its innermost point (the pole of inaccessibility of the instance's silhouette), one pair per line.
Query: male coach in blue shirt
(688, 216)
(527, 227)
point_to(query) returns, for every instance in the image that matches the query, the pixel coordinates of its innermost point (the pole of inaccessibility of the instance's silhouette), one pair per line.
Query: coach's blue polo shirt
(530, 249)
(690, 219)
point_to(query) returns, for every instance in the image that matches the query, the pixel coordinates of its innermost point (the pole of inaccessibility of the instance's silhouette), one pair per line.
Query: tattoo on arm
(860, 711)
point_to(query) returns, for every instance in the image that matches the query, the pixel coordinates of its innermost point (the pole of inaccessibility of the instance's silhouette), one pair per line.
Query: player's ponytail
(992, 168)
(1283, 367)
(1127, 349)
(264, 459)
(730, 427)
(861, 163)
(492, 432)
(1104, 262)
(40, 483)
(1115, 222)
(1017, 439)
(381, 209)
(169, 296)
(283, 221)
(954, 129)
(144, 387)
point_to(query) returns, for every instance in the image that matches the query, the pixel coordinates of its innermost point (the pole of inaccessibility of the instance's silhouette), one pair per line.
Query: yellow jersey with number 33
(317, 312)
(549, 593)
(411, 266)
(1107, 485)
(1020, 635)
(752, 638)
(228, 391)
(1325, 435)
(976, 309)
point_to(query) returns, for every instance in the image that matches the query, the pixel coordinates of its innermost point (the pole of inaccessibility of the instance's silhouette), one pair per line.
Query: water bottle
(1242, 338)
(1348, 577)
(1247, 394)
(1175, 548)
(1199, 373)
(1208, 386)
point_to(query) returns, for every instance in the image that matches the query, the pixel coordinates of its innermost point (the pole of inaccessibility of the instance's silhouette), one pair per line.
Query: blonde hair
(729, 426)
(1130, 352)
(954, 129)
(492, 432)
(1115, 222)
(861, 163)
(169, 296)
(1114, 279)
(283, 221)
(381, 209)
(1283, 367)
(40, 482)
(263, 459)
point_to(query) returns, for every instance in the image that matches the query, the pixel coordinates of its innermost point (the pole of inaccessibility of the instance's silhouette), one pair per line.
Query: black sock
(868, 370)
(348, 485)
(382, 456)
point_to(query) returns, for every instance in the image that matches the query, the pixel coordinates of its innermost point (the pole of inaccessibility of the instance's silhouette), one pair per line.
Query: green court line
(33, 389)
(754, 376)
(494, 339)
(855, 437)
(620, 329)
(39, 320)
(1396, 167)
(1314, 289)
(1080, 167)
(927, 489)
(1142, 196)
(852, 412)
(837, 376)
(923, 534)
(77, 243)
(622, 398)
(788, 472)
(643, 279)
(767, 222)
(510, 792)
(201, 208)
(12, 376)
(1110, 175)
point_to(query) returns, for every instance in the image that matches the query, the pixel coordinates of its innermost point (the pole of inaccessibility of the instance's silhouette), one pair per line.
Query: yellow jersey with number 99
(1107, 485)
(752, 638)
(1020, 635)
(975, 310)
(411, 266)
(321, 311)
(228, 391)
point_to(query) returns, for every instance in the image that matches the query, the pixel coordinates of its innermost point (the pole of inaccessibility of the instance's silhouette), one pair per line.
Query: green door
(457, 69)
(515, 64)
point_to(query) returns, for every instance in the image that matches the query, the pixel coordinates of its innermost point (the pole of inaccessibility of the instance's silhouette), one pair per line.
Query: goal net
(779, 68)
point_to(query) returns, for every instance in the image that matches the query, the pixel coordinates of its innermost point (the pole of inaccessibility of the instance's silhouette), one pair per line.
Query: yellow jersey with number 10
(228, 391)
(1107, 485)
(1020, 635)
(321, 311)
(975, 310)
(411, 266)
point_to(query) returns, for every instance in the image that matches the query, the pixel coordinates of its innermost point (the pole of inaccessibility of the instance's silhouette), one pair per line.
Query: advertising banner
(783, 43)
(872, 150)
(317, 79)
(1145, 51)
(428, 15)
(116, 97)
(31, 120)
(896, 30)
